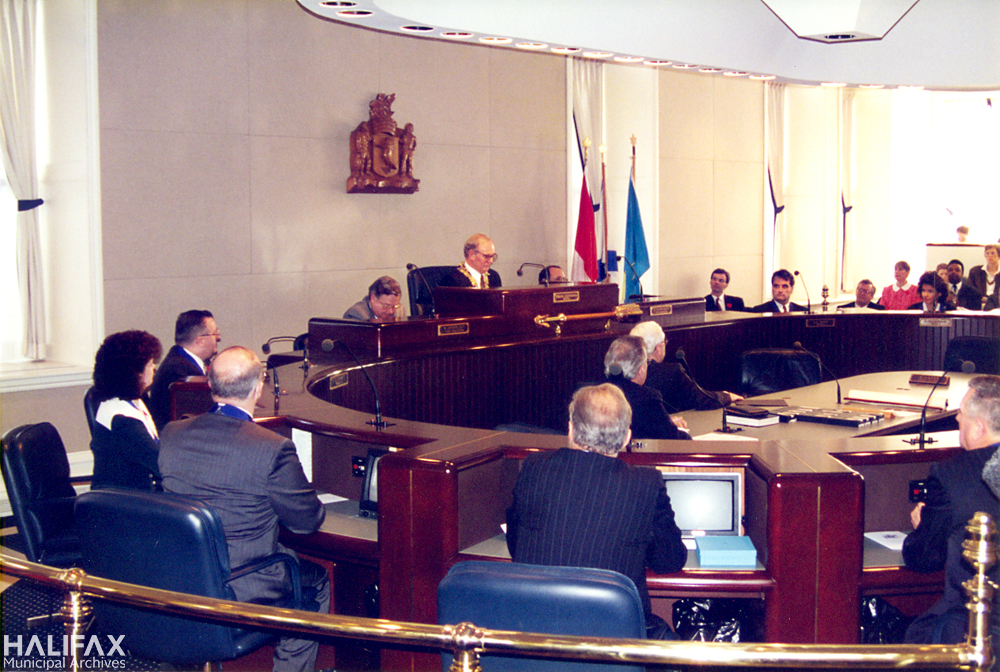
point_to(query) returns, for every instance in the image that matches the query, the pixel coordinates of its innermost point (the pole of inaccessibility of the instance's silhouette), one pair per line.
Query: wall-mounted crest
(382, 153)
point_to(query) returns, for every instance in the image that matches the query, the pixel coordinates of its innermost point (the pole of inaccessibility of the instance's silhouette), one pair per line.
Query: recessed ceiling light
(416, 29)
(873, 86)
(456, 35)
(656, 63)
(629, 59)
(710, 71)
(598, 54)
(531, 45)
(763, 78)
(495, 40)
(734, 73)
(355, 13)
(833, 85)
(565, 50)
(839, 37)
(685, 66)
(338, 3)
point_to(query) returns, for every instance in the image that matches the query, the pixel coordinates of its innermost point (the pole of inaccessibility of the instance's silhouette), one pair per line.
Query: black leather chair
(421, 300)
(535, 598)
(36, 475)
(174, 543)
(90, 405)
(982, 351)
(772, 370)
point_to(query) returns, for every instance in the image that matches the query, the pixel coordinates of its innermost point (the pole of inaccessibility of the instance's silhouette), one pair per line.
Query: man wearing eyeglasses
(196, 340)
(382, 302)
(475, 272)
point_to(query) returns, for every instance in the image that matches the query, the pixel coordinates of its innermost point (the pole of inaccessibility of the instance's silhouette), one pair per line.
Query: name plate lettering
(660, 310)
(935, 321)
(453, 329)
(820, 322)
(339, 380)
(566, 297)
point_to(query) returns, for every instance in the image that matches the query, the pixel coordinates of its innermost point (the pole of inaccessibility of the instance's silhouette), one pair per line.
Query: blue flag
(635, 245)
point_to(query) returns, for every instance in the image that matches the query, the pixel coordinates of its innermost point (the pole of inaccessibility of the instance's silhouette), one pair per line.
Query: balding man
(475, 272)
(956, 489)
(253, 480)
(581, 507)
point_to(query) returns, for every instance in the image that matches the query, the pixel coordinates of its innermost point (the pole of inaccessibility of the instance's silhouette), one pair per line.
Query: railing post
(465, 648)
(980, 549)
(76, 614)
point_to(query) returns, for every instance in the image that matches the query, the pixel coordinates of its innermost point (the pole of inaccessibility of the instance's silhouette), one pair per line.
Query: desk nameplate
(935, 321)
(566, 297)
(460, 329)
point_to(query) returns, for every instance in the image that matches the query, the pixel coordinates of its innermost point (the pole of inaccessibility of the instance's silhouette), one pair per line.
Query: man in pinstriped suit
(582, 507)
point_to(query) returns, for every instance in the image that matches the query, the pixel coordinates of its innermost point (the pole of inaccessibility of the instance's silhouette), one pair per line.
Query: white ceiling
(937, 44)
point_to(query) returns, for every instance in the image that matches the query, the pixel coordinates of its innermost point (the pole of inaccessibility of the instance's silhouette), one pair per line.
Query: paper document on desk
(936, 403)
(893, 540)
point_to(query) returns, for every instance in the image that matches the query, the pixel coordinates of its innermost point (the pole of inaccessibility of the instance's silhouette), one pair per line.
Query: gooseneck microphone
(809, 305)
(430, 293)
(822, 366)
(520, 270)
(637, 278)
(923, 439)
(682, 359)
(266, 348)
(377, 422)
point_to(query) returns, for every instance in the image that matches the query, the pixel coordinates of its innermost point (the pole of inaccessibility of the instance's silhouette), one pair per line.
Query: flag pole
(604, 214)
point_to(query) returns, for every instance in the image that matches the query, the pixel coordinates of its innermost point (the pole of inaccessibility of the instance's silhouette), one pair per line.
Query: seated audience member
(933, 294)
(960, 293)
(782, 286)
(679, 391)
(942, 270)
(196, 339)
(254, 481)
(901, 295)
(582, 507)
(551, 275)
(956, 489)
(475, 271)
(717, 299)
(382, 302)
(864, 294)
(625, 367)
(125, 440)
(983, 278)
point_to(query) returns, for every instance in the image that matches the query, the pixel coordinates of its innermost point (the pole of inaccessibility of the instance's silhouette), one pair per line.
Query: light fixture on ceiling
(456, 35)
(495, 40)
(734, 73)
(837, 22)
(763, 78)
(354, 13)
(658, 63)
(566, 51)
(628, 59)
(531, 45)
(417, 29)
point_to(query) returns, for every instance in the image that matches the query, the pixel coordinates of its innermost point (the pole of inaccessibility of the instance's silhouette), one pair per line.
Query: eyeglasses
(217, 335)
(488, 257)
(392, 306)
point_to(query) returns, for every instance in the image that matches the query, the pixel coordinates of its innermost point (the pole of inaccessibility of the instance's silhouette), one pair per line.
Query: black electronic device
(918, 491)
(368, 506)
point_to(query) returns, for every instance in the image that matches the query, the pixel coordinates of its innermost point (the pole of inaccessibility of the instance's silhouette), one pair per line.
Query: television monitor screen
(706, 503)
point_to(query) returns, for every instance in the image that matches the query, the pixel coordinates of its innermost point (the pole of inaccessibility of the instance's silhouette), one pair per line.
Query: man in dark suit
(718, 299)
(253, 480)
(582, 507)
(625, 367)
(955, 490)
(475, 272)
(196, 339)
(864, 295)
(961, 294)
(782, 286)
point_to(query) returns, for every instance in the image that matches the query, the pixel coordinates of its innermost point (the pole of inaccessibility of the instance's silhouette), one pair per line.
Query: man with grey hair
(253, 480)
(955, 490)
(625, 368)
(582, 507)
(475, 272)
(679, 391)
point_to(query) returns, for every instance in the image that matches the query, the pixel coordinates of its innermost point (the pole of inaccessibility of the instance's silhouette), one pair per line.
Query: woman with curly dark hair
(125, 443)
(933, 292)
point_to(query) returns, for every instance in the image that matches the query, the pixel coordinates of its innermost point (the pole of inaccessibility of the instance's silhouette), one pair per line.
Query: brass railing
(467, 643)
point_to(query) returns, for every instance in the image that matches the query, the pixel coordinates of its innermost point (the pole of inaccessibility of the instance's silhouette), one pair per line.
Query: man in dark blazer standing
(475, 272)
(196, 339)
(782, 286)
(582, 507)
(717, 299)
(253, 480)
(956, 489)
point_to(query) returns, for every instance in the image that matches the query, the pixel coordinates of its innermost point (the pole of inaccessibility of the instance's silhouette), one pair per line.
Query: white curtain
(17, 142)
(774, 111)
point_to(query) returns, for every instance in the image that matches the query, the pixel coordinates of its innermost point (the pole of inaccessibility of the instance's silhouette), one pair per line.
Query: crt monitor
(706, 503)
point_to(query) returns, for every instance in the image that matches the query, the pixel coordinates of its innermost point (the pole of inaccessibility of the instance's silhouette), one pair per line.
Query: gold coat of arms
(382, 153)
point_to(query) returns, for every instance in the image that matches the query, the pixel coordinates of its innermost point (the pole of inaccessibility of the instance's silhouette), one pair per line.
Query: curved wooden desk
(808, 501)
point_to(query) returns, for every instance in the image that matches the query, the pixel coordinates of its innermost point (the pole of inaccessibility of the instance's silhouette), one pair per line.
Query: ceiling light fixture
(685, 66)
(763, 78)
(355, 13)
(628, 59)
(456, 35)
(598, 54)
(656, 63)
(495, 40)
(833, 85)
(416, 29)
(710, 71)
(338, 3)
(734, 73)
(531, 45)
(565, 50)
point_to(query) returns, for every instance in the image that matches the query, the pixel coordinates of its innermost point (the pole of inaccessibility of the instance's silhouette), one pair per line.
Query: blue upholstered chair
(535, 598)
(174, 543)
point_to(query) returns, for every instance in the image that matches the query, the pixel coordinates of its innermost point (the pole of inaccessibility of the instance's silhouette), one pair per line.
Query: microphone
(377, 422)
(520, 271)
(822, 366)
(638, 280)
(923, 439)
(809, 305)
(430, 292)
(266, 348)
(679, 356)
